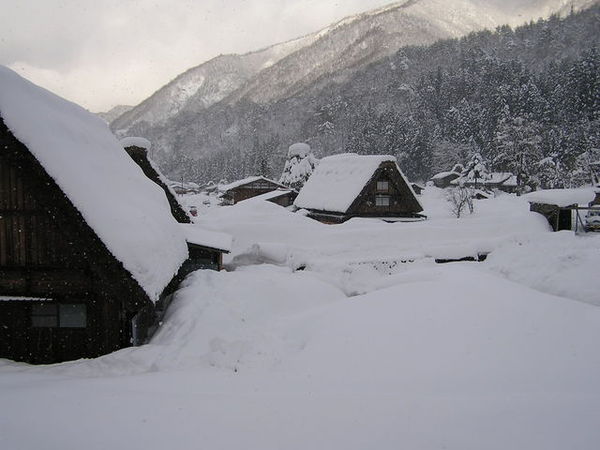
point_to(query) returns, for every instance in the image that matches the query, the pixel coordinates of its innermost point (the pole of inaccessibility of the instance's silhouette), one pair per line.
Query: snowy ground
(358, 350)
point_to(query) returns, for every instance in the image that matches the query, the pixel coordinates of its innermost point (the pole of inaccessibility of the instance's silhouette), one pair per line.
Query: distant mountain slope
(235, 104)
(205, 84)
(114, 113)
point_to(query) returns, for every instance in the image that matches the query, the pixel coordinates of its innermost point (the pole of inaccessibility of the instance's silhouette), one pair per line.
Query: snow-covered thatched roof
(562, 197)
(338, 180)
(197, 235)
(439, 176)
(126, 210)
(235, 184)
(506, 179)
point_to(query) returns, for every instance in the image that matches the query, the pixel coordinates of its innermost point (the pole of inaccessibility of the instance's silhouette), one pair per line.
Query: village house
(89, 249)
(502, 181)
(348, 185)
(443, 179)
(237, 191)
(281, 197)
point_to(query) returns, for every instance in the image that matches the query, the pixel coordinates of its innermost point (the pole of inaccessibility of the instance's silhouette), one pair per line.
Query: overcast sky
(100, 53)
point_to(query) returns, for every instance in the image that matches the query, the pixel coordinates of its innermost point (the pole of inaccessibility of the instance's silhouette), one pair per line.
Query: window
(53, 315)
(382, 200)
(72, 315)
(44, 315)
(383, 186)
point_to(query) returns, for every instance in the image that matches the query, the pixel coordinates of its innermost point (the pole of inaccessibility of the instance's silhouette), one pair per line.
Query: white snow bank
(557, 263)
(135, 142)
(338, 180)
(456, 359)
(195, 234)
(562, 197)
(265, 232)
(128, 212)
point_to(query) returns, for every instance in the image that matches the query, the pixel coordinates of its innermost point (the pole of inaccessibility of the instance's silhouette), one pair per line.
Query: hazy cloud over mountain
(120, 51)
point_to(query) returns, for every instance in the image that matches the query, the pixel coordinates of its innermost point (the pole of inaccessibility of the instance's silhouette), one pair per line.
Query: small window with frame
(383, 186)
(44, 315)
(382, 200)
(72, 315)
(59, 315)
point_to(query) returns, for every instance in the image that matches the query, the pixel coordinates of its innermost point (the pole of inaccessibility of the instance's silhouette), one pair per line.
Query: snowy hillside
(204, 85)
(114, 113)
(371, 345)
(258, 91)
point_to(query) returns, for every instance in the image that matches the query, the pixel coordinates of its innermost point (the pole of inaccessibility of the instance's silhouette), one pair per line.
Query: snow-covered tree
(476, 169)
(299, 165)
(459, 199)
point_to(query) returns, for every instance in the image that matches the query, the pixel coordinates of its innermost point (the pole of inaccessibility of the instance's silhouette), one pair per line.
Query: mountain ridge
(205, 121)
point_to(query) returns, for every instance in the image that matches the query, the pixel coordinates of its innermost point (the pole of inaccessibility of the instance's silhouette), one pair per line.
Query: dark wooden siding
(47, 250)
(29, 236)
(402, 202)
(250, 190)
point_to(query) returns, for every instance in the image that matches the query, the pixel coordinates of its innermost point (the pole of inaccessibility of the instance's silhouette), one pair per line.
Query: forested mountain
(531, 91)
(114, 113)
(202, 86)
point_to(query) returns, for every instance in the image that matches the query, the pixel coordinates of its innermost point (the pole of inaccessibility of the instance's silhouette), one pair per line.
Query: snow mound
(560, 263)
(128, 212)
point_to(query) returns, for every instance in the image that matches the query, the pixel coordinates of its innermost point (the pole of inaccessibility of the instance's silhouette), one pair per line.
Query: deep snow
(352, 352)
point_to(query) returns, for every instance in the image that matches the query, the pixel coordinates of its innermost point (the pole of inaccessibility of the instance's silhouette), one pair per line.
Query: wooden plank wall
(28, 236)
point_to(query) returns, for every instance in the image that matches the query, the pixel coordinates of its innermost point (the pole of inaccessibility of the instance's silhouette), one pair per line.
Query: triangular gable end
(70, 220)
(389, 171)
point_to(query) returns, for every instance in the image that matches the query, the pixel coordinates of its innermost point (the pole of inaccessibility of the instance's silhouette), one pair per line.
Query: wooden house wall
(253, 189)
(47, 250)
(402, 200)
(285, 200)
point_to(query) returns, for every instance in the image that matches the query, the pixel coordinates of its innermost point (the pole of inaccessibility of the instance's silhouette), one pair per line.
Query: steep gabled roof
(128, 212)
(338, 180)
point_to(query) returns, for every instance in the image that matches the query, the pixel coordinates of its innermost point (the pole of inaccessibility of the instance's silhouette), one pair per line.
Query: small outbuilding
(237, 191)
(444, 179)
(560, 206)
(349, 185)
